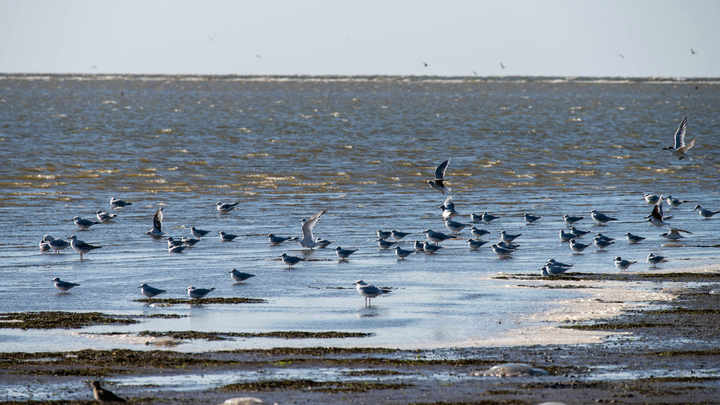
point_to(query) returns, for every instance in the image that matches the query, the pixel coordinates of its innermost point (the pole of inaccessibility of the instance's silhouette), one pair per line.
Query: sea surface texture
(361, 148)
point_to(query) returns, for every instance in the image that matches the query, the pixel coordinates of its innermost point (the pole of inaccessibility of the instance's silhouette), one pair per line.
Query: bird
(276, 240)
(369, 291)
(603, 237)
(600, 218)
(430, 248)
(566, 236)
(290, 260)
(309, 241)
(226, 237)
(196, 293)
(651, 198)
(198, 233)
(385, 244)
(579, 232)
(173, 242)
(156, 231)
(507, 237)
(438, 183)
(487, 218)
(654, 259)
(674, 202)
(383, 234)
(508, 245)
(323, 243)
(530, 218)
(551, 261)
(570, 219)
(704, 212)
(63, 285)
(176, 249)
(418, 246)
(674, 234)
(477, 232)
(501, 251)
(502, 66)
(402, 253)
(189, 242)
(57, 244)
(576, 246)
(343, 254)
(224, 208)
(103, 395)
(436, 237)
(692, 51)
(149, 291)
(104, 216)
(454, 226)
(634, 238)
(397, 235)
(239, 276)
(602, 243)
(656, 217)
(44, 244)
(448, 208)
(623, 264)
(550, 270)
(84, 224)
(80, 246)
(679, 147)
(115, 203)
(475, 243)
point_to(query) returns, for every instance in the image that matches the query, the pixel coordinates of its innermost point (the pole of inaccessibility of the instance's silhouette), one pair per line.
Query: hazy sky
(362, 37)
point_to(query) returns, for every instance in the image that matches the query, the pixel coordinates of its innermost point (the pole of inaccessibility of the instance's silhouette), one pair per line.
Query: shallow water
(360, 149)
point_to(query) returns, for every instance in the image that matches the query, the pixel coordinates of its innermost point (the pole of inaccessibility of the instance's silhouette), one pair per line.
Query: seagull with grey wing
(679, 147)
(438, 183)
(83, 223)
(704, 212)
(149, 291)
(197, 293)
(656, 217)
(309, 241)
(156, 231)
(239, 276)
(369, 291)
(224, 208)
(116, 203)
(63, 285)
(104, 216)
(80, 246)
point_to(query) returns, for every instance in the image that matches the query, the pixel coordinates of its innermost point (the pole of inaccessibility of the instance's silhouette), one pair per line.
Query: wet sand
(664, 352)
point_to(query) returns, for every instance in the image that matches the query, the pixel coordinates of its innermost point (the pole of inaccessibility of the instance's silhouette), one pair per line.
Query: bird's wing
(440, 171)
(157, 220)
(680, 134)
(308, 226)
(448, 201)
(679, 230)
(690, 145)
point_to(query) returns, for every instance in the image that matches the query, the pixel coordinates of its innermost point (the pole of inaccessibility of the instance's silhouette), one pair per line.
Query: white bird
(224, 208)
(634, 238)
(577, 247)
(402, 253)
(654, 259)
(438, 183)
(115, 203)
(475, 243)
(507, 238)
(397, 235)
(104, 216)
(290, 260)
(674, 202)
(550, 270)
(554, 262)
(63, 285)
(623, 264)
(674, 234)
(600, 218)
(343, 254)
(501, 251)
(80, 246)
(57, 244)
(570, 219)
(226, 237)
(196, 293)
(704, 212)
(448, 208)
(436, 237)
(369, 291)
(454, 226)
(579, 232)
(487, 218)
(149, 291)
(84, 224)
(309, 241)
(679, 147)
(651, 198)
(239, 276)
(156, 231)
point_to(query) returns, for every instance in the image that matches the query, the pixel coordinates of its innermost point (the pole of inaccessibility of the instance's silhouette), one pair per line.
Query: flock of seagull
(503, 248)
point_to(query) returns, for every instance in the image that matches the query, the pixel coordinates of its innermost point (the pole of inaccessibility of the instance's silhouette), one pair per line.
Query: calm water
(359, 148)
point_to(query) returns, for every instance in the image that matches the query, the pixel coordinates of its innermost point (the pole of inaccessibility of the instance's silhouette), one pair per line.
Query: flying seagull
(438, 182)
(680, 148)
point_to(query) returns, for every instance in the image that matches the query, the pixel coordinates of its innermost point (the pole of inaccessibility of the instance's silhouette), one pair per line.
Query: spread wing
(440, 171)
(308, 225)
(157, 220)
(680, 134)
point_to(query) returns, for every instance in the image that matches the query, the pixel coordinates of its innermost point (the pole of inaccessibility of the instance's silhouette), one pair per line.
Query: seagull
(603, 237)
(402, 253)
(44, 245)
(692, 51)
(654, 259)
(104, 216)
(454, 226)
(651, 198)
(189, 242)
(674, 234)
(323, 243)
(556, 263)
(418, 246)
(84, 224)
(343, 254)
(487, 218)
(530, 218)
(602, 243)
(369, 291)
(80, 246)
(438, 182)
(577, 247)
(501, 251)
(509, 246)
(276, 240)
(383, 234)
(430, 248)
(226, 237)
(115, 203)
(436, 237)
(704, 212)
(63, 285)
(102, 395)
(579, 232)
(397, 235)
(385, 244)
(566, 236)
(623, 264)
(193, 292)
(198, 233)
(569, 219)
(634, 238)
(656, 217)
(502, 66)
(600, 218)
(507, 238)
(674, 202)
(172, 242)
(477, 232)
(550, 270)
(57, 244)
(308, 240)
(291, 260)
(176, 249)
(448, 208)
(239, 276)
(475, 243)
(679, 147)
(149, 291)
(156, 231)
(224, 208)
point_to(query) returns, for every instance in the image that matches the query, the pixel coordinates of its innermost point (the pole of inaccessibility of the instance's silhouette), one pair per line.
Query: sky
(369, 37)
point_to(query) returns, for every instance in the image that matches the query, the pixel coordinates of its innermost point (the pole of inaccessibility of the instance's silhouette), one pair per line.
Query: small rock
(511, 370)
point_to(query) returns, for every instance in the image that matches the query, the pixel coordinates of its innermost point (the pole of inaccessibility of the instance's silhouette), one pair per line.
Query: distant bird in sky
(692, 51)
(425, 64)
(502, 66)
(679, 147)
(621, 56)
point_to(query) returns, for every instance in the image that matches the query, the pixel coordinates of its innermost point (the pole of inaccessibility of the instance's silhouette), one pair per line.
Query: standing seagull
(150, 291)
(84, 224)
(103, 395)
(239, 276)
(600, 218)
(679, 147)
(290, 260)
(309, 241)
(369, 291)
(80, 246)
(63, 285)
(438, 182)
(156, 231)
(195, 293)
(623, 264)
